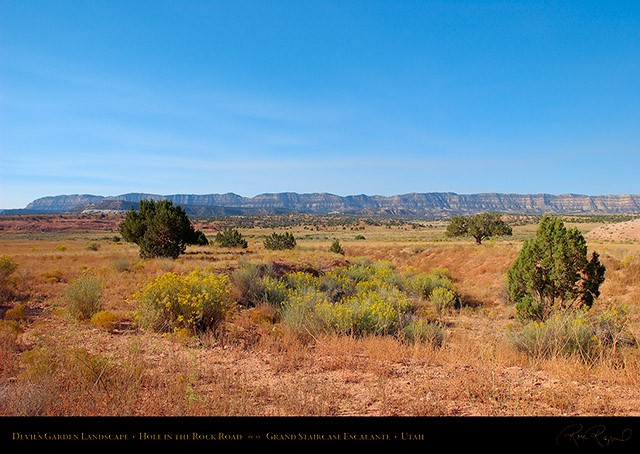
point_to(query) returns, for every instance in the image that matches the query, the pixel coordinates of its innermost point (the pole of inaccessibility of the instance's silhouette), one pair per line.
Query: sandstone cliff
(414, 204)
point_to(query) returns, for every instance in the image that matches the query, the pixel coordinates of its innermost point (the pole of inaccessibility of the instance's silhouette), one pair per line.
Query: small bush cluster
(277, 241)
(358, 299)
(198, 302)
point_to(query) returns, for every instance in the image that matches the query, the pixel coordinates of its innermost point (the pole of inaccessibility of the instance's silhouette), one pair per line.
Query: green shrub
(553, 272)
(275, 291)
(336, 248)
(84, 296)
(230, 238)
(199, 301)
(9, 332)
(299, 312)
(199, 238)
(53, 276)
(278, 241)
(425, 283)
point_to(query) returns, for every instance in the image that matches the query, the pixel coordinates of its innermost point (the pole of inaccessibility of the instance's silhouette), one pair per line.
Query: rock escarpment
(414, 204)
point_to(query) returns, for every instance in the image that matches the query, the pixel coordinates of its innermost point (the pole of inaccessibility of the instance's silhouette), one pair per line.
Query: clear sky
(347, 97)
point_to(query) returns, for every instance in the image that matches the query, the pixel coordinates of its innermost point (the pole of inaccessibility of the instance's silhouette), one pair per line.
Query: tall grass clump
(578, 333)
(84, 296)
(424, 331)
(255, 283)
(198, 302)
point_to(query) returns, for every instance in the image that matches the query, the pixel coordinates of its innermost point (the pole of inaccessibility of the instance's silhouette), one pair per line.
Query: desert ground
(54, 364)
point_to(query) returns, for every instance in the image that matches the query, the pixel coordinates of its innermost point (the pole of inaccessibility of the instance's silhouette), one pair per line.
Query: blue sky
(347, 97)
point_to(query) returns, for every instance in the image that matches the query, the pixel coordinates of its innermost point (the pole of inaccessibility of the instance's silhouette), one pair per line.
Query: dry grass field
(55, 364)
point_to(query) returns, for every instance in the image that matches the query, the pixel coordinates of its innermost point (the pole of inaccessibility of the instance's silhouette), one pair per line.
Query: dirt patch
(621, 231)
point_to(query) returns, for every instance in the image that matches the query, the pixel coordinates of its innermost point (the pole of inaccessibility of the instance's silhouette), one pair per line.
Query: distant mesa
(408, 205)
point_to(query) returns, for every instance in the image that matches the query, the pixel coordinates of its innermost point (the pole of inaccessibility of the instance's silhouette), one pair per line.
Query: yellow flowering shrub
(275, 290)
(197, 301)
(301, 279)
(105, 320)
(362, 298)
(369, 312)
(442, 298)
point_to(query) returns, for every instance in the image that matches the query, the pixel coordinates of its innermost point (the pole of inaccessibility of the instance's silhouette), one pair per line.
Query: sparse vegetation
(307, 331)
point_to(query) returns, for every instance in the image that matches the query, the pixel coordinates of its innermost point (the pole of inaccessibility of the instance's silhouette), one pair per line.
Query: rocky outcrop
(414, 204)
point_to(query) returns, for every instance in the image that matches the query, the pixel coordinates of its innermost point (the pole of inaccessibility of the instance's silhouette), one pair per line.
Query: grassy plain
(54, 364)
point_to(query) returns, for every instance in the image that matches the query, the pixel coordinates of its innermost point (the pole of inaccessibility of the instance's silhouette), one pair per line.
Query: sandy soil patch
(621, 231)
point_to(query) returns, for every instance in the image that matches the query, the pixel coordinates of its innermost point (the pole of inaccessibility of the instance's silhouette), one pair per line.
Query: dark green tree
(160, 229)
(479, 226)
(553, 272)
(230, 237)
(277, 241)
(200, 239)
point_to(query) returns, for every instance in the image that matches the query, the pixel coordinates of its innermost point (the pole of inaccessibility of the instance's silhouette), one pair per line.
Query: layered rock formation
(414, 204)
